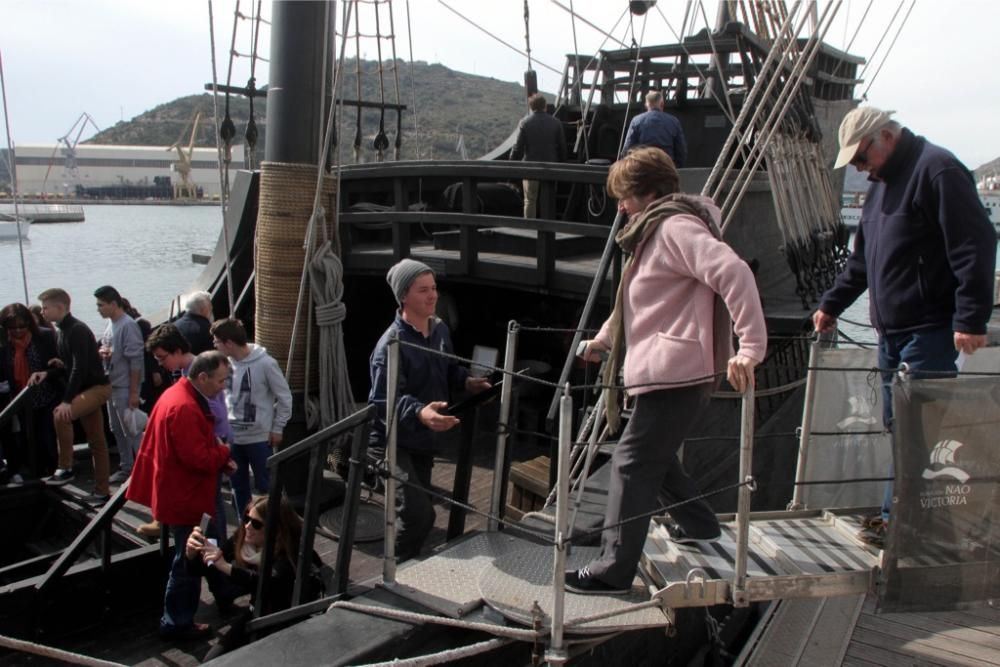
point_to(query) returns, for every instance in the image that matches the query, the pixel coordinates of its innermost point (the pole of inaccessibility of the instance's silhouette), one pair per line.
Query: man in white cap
(426, 380)
(925, 251)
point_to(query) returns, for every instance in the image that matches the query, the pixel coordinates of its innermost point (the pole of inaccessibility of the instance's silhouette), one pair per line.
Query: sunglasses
(861, 157)
(256, 523)
(15, 326)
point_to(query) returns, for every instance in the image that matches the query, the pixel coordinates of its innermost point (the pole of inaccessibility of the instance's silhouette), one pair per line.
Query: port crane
(71, 174)
(186, 189)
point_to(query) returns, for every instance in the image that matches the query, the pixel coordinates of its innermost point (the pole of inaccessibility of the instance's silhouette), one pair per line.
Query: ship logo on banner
(943, 454)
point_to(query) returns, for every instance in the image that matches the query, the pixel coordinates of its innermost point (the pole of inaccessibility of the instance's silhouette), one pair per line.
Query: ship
(507, 282)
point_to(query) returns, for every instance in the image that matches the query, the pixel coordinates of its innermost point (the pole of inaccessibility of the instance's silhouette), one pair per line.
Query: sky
(115, 59)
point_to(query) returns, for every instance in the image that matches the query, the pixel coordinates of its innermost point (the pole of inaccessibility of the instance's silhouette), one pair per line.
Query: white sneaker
(16, 480)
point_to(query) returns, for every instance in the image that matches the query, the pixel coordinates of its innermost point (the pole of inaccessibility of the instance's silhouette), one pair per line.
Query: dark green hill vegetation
(448, 104)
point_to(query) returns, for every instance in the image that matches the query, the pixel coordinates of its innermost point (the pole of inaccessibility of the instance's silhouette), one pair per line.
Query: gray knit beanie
(402, 274)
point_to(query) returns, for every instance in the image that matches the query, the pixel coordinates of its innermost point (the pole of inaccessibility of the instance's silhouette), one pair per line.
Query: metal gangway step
(798, 554)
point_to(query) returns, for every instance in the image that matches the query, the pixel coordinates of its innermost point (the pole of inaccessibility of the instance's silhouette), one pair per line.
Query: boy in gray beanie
(402, 274)
(426, 382)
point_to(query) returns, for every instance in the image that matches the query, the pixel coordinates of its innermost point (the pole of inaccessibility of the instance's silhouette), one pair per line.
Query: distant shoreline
(114, 202)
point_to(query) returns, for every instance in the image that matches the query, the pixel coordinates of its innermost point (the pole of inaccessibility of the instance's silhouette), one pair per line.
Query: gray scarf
(640, 228)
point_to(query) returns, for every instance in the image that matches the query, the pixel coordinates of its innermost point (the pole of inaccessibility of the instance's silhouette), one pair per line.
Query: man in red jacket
(175, 474)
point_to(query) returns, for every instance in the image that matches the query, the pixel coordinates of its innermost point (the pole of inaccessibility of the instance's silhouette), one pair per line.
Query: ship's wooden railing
(99, 526)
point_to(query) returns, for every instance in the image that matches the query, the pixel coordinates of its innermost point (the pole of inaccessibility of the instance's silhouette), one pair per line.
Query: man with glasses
(172, 352)
(176, 475)
(925, 251)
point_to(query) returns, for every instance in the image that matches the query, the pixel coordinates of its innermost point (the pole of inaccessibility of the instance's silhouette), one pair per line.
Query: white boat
(9, 229)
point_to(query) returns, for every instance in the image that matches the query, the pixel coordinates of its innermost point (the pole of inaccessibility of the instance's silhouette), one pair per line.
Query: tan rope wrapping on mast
(286, 204)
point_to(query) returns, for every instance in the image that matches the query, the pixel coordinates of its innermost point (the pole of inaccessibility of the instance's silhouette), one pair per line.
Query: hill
(448, 104)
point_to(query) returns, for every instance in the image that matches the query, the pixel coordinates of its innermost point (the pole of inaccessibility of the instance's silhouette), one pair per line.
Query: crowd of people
(187, 405)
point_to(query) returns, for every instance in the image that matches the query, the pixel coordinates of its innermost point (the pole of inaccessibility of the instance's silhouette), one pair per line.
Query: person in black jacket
(87, 389)
(540, 138)
(925, 251)
(28, 349)
(196, 323)
(233, 569)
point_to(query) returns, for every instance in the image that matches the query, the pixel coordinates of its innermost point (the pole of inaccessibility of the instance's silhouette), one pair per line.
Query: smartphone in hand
(205, 520)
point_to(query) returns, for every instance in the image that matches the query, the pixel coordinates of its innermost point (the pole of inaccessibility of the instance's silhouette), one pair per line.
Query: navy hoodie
(925, 248)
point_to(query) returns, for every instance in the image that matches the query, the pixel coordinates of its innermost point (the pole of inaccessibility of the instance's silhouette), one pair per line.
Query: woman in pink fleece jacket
(682, 294)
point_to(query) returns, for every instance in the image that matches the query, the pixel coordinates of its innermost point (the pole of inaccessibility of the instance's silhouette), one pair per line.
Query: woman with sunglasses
(27, 348)
(233, 569)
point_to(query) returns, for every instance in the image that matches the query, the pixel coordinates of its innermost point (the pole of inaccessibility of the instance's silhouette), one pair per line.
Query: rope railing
(55, 653)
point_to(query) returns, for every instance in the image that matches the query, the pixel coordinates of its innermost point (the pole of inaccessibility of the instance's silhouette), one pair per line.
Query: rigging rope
(397, 144)
(12, 170)
(357, 63)
(413, 88)
(490, 34)
(913, 3)
(381, 141)
(527, 33)
(635, 75)
(223, 171)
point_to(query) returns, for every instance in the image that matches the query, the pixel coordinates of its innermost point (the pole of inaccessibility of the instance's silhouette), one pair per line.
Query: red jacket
(179, 460)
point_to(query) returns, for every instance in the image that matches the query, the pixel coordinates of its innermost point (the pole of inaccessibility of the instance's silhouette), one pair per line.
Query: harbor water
(144, 251)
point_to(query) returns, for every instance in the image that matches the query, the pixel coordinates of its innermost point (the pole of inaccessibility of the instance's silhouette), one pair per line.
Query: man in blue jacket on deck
(925, 251)
(425, 382)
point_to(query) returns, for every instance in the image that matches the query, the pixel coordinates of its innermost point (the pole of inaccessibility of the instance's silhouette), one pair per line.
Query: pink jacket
(669, 296)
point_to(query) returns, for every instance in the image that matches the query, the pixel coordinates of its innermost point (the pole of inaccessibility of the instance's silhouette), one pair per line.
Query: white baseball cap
(858, 124)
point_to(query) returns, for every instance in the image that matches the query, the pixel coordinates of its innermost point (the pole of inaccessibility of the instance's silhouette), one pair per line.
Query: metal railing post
(805, 432)
(503, 433)
(391, 419)
(743, 507)
(359, 454)
(557, 652)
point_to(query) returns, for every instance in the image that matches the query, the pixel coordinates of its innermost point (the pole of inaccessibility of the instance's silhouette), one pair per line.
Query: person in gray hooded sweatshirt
(259, 402)
(122, 352)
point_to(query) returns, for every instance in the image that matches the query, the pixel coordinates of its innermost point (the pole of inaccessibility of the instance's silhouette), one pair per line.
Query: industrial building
(119, 172)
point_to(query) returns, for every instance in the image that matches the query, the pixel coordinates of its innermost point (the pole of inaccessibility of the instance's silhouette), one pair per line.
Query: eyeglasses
(14, 326)
(861, 157)
(161, 357)
(256, 523)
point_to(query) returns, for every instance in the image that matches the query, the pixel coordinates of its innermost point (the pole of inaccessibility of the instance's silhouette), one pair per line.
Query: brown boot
(151, 529)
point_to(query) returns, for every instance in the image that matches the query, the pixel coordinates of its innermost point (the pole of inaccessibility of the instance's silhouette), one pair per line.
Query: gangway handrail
(588, 308)
(16, 404)
(316, 446)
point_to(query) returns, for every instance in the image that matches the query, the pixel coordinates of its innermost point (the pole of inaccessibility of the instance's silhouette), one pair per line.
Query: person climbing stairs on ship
(681, 292)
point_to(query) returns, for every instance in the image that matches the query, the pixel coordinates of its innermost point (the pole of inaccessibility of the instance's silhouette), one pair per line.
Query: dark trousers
(414, 509)
(646, 474)
(31, 451)
(927, 350)
(180, 600)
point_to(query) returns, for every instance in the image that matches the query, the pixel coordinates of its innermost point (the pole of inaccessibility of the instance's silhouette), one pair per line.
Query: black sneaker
(679, 536)
(580, 581)
(95, 499)
(60, 477)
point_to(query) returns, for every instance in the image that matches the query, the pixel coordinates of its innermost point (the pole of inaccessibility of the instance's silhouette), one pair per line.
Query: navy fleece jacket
(925, 248)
